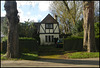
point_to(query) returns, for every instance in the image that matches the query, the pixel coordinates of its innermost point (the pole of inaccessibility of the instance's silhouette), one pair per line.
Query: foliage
(65, 16)
(96, 25)
(73, 37)
(65, 35)
(96, 10)
(81, 55)
(78, 27)
(27, 29)
(4, 26)
(3, 58)
(80, 34)
(26, 38)
(4, 39)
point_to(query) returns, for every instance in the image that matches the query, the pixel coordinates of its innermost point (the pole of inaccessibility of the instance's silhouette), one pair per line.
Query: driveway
(90, 62)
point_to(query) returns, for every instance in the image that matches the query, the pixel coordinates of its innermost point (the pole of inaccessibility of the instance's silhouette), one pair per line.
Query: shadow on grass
(47, 50)
(29, 56)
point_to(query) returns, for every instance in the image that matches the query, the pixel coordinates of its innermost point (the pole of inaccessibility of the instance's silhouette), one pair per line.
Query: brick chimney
(55, 17)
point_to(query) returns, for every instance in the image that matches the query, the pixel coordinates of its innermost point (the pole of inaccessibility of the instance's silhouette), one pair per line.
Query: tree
(4, 26)
(78, 28)
(13, 20)
(68, 12)
(89, 35)
(27, 29)
(96, 11)
(96, 26)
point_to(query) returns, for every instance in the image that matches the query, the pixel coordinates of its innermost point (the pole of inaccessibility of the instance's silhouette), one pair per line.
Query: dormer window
(49, 26)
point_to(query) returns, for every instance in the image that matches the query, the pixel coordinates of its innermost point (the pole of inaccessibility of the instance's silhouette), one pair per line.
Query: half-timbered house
(49, 29)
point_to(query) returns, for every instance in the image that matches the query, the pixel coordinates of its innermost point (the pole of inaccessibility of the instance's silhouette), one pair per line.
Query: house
(48, 30)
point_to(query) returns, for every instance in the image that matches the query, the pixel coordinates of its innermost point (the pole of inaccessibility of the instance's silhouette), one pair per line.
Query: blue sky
(32, 10)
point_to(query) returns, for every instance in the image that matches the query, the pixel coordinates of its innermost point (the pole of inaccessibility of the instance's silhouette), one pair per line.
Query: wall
(42, 38)
(42, 26)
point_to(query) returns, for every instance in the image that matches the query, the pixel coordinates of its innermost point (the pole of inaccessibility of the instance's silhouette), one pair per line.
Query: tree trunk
(13, 41)
(89, 35)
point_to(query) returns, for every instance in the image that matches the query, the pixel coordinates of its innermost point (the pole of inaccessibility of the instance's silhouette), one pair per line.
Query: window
(49, 38)
(46, 38)
(52, 38)
(49, 26)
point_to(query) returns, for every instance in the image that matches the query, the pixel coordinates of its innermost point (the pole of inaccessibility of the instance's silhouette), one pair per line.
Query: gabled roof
(49, 19)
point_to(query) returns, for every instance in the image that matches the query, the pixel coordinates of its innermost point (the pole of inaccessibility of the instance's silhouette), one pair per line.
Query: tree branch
(69, 11)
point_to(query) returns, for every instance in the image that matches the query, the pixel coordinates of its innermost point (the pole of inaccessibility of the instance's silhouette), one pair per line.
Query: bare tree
(89, 35)
(13, 20)
(68, 13)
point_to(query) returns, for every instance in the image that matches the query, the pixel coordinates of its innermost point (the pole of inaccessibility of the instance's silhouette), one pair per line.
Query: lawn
(73, 55)
(80, 55)
(52, 52)
(24, 56)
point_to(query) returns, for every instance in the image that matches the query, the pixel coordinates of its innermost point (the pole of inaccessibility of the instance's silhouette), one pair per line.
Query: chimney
(55, 17)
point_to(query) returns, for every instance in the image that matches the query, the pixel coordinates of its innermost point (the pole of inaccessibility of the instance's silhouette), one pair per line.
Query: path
(91, 62)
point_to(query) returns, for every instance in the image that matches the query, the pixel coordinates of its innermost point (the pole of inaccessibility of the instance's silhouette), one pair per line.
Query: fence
(77, 44)
(25, 45)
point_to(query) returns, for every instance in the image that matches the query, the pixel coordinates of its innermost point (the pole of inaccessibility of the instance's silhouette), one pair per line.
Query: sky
(32, 10)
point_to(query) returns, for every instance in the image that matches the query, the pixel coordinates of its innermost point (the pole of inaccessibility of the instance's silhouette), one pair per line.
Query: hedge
(76, 43)
(26, 45)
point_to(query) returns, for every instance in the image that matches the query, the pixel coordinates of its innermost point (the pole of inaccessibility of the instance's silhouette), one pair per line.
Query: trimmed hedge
(26, 45)
(76, 43)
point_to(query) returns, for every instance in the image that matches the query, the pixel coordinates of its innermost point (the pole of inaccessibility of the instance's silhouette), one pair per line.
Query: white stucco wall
(42, 36)
(43, 41)
(47, 30)
(57, 29)
(41, 29)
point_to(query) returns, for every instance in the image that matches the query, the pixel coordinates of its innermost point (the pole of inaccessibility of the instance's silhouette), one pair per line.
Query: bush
(4, 39)
(96, 26)
(76, 43)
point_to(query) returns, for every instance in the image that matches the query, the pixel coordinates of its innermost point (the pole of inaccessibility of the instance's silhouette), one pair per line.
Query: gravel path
(91, 62)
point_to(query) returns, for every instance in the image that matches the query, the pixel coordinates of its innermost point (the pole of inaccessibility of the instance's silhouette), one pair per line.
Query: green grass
(29, 56)
(24, 56)
(79, 55)
(52, 52)
(3, 56)
(50, 57)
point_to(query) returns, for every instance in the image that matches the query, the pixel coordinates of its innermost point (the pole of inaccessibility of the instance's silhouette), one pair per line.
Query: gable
(49, 19)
